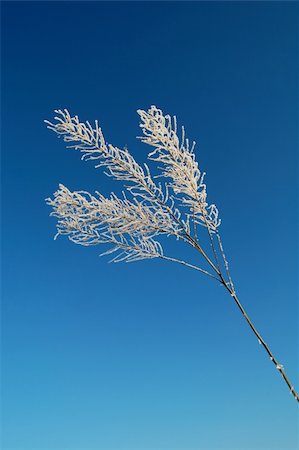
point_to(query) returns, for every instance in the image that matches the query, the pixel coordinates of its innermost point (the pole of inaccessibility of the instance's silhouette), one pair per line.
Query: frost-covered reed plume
(133, 224)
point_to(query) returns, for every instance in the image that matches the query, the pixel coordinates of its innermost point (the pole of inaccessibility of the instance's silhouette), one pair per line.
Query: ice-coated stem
(261, 341)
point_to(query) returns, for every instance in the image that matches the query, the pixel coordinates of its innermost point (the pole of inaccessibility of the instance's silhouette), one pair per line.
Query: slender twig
(210, 237)
(191, 267)
(225, 261)
(279, 367)
(194, 224)
(261, 341)
(203, 253)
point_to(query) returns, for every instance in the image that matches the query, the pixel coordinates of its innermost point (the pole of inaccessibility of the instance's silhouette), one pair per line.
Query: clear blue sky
(150, 355)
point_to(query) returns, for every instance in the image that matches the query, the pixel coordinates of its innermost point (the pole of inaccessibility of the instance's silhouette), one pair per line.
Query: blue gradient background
(150, 355)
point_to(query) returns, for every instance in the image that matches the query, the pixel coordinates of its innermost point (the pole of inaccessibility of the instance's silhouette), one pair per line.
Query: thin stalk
(184, 263)
(200, 249)
(230, 288)
(261, 341)
(225, 261)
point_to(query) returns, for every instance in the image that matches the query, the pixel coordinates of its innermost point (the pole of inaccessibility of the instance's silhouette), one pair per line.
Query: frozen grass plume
(131, 225)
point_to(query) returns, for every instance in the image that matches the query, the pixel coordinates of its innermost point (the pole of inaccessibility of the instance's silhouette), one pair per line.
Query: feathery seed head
(132, 225)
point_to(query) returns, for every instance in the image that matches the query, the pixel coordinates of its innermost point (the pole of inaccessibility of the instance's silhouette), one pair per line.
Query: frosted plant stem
(261, 341)
(230, 288)
(199, 248)
(225, 262)
(233, 294)
(191, 266)
(211, 239)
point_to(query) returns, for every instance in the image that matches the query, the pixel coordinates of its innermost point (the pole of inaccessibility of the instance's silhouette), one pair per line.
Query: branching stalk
(133, 224)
